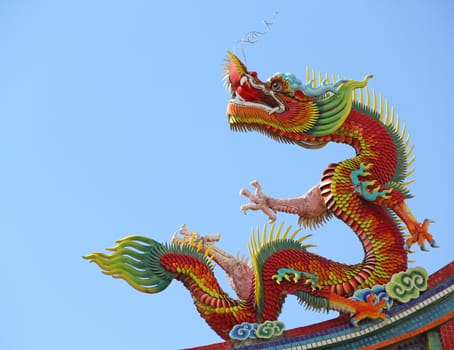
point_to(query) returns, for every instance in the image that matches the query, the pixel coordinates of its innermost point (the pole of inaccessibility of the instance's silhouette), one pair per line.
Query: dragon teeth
(243, 80)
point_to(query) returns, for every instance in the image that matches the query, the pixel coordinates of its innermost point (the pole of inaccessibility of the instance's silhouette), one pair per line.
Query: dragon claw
(419, 233)
(434, 244)
(408, 250)
(314, 283)
(370, 308)
(258, 201)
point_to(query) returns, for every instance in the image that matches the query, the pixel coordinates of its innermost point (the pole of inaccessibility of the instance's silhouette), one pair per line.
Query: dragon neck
(334, 108)
(377, 139)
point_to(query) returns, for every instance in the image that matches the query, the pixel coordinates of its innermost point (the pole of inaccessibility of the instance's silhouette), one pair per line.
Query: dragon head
(283, 107)
(277, 107)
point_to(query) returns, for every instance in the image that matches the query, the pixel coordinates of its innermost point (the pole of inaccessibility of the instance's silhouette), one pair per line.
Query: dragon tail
(136, 260)
(150, 267)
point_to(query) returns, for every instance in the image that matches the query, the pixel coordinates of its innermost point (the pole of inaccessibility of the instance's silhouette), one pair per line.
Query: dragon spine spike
(279, 230)
(208, 249)
(251, 242)
(191, 240)
(411, 160)
(387, 116)
(302, 238)
(265, 227)
(298, 230)
(408, 183)
(259, 239)
(374, 100)
(273, 226)
(307, 246)
(287, 230)
(255, 245)
(259, 242)
(270, 234)
(210, 260)
(381, 108)
(403, 134)
(314, 79)
(410, 172)
(395, 120)
(199, 246)
(410, 151)
(367, 97)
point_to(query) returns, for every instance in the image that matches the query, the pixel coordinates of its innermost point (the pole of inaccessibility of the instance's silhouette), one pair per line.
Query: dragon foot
(259, 201)
(419, 234)
(367, 303)
(364, 304)
(294, 275)
(372, 308)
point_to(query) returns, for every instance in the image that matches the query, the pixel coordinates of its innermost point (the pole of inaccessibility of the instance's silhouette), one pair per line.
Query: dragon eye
(276, 85)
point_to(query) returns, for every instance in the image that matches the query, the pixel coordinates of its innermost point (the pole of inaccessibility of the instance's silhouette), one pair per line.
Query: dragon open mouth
(251, 93)
(250, 97)
(256, 106)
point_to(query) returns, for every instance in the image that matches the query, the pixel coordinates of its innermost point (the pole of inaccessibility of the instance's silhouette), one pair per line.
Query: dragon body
(367, 192)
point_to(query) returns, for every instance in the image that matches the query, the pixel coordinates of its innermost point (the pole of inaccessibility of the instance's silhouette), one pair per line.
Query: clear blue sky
(113, 123)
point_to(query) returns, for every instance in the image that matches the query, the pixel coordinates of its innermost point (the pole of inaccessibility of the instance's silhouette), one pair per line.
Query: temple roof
(427, 320)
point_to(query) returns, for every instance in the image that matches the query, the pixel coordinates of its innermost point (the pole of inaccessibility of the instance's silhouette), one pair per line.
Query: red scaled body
(367, 192)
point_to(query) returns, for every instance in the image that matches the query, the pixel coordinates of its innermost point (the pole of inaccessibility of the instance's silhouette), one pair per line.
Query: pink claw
(259, 201)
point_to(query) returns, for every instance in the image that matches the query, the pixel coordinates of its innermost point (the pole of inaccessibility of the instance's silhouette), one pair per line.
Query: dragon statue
(367, 192)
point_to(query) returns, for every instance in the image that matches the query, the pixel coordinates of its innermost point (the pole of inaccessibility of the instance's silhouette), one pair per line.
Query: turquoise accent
(296, 84)
(363, 185)
(293, 82)
(434, 244)
(265, 330)
(324, 88)
(285, 274)
(244, 331)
